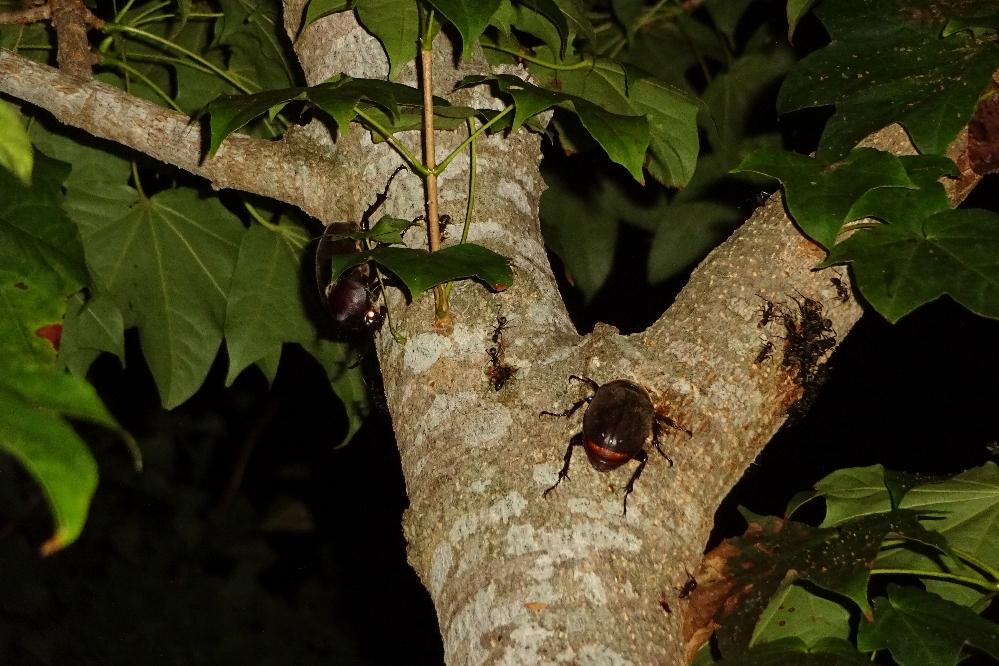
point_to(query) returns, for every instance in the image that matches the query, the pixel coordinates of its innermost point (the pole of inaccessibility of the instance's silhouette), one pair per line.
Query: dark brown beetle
(618, 422)
(350, 299)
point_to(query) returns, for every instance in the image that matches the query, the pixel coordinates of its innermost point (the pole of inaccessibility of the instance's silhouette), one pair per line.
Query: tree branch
(282, 170)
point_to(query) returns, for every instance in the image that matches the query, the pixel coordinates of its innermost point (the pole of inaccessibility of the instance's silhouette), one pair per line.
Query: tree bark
(517, 578)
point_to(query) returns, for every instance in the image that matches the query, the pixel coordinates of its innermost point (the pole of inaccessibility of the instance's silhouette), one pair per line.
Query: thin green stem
(473, 162)
(125, 67)
(977, 582)
(399, 147)
(169, 60)
(547, 64)
(470, 205)
(396, 335)
(439, 169)
(123, 10)
(977, 563)
(135, 179)
(146, 11)
(117, 27)
(260, 219)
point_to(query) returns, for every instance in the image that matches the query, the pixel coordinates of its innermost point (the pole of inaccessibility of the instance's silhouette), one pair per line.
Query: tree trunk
(515, 577)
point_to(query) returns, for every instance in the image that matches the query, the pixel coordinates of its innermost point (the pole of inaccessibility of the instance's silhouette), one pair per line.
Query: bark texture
(516, 578)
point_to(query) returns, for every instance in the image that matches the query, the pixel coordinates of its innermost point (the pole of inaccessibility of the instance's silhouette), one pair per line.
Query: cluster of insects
(808, 336)
(499, 373)
(619, 420)
(683, 593)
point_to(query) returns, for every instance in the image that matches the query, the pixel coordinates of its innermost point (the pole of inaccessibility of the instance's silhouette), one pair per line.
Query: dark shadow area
(296, 558)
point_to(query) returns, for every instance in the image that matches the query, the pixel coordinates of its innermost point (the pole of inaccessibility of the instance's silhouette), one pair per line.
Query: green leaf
(904, 205)
(420, 270)
(40, 265)
(967, 527)
(899, 267)
(389, 230)
(319, 8)
(265, 307)
(796, 10)
(732, 98)
(686, 233)
(91, 327)
(55, 457)
(339, 97)
(671, 114)
(792, 650)
(983, 24)
(253, 30)
(230, 112)
(555, 14)
(836, 559)
(581, 227)
(818, 195)
(795, 611)
(396, 24)
(15, 148)
(345, 377)
(854, 492)
(469, 17)
(167, 263)
(726, 15)
(887, 62)
(920, 628)
(625, 138)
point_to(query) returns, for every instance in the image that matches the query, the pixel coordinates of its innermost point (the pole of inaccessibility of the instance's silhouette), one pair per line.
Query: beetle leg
(571, 410)
(657, 431)
(563, 473)
(642, 457)
(586, 380)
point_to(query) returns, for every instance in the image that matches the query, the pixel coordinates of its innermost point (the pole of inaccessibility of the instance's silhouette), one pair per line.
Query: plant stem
(470, 206)
(430, 162)
(977, 582)
(125, 67)
(400, 148)
(439, 169)
(117, 27)
(255, 214)
(582, 64)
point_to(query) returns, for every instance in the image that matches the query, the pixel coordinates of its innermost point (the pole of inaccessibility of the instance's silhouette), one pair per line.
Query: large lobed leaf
(167, 262)
(889, 62)
(900, 266)
(819, 195)
(920, 628)
(40, 265)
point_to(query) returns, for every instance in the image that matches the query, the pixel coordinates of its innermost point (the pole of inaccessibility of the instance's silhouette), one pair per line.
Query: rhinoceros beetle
(350, 298)
(619, 421)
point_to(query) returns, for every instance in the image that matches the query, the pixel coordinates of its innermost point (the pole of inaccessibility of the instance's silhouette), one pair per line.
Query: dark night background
(300, 559)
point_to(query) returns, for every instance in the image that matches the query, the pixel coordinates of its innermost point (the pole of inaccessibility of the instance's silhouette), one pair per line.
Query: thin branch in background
(25, 16)
(71, 19)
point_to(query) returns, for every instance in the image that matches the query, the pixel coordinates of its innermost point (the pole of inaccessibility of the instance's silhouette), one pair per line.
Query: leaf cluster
(788, 591)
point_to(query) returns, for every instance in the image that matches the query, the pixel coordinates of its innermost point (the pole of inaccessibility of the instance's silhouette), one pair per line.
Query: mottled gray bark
(515, 578)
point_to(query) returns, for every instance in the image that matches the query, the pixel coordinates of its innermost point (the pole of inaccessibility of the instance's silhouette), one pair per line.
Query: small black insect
(687, 588)
(842, 293)
(766, 351)
(665, 606)
(499, 373)
(767, 312)
(501, 325)
(350, 299)
(619, 420)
